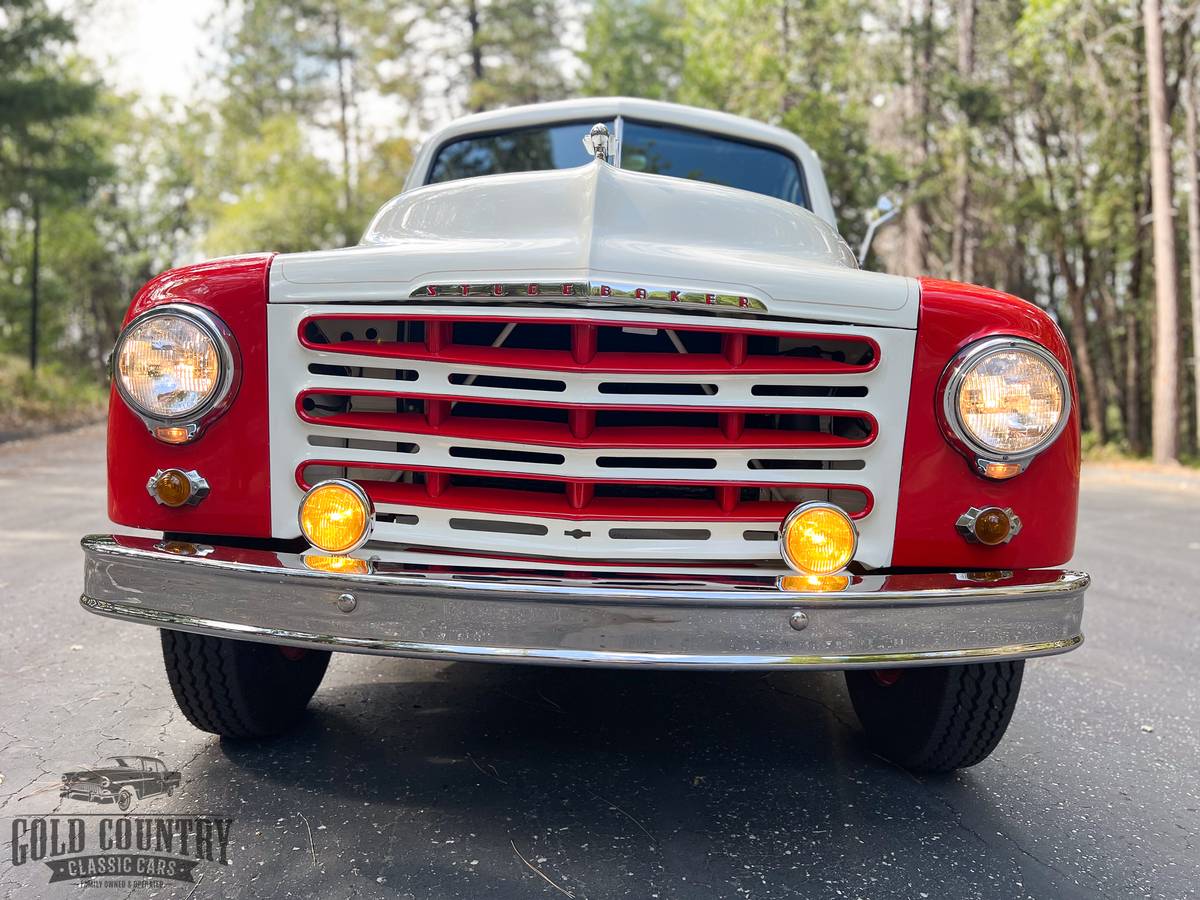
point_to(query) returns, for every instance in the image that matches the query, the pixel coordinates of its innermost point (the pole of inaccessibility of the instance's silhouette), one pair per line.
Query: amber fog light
(818, 539)
(336, 516)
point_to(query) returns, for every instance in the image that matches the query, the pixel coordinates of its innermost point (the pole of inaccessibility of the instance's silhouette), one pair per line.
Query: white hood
(598, 223)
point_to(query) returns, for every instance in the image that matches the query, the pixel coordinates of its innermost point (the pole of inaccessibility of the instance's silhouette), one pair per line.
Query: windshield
(120, 762)
(644, 147)
(523, 150)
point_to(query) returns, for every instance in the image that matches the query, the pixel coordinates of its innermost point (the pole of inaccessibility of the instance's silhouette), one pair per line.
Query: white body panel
(599, 223)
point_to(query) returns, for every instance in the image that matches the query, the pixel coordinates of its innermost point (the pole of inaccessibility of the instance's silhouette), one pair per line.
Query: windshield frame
(618, 142)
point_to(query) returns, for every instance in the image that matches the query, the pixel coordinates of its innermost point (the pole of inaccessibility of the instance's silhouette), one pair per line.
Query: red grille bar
(584, 355)
(438, 492)
(580, 429)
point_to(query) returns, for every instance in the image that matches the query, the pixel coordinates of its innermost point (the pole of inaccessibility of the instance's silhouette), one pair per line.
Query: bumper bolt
(346, 602)
(798, 621)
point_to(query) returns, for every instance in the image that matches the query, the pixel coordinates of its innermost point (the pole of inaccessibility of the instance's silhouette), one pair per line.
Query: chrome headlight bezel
(196, 419)
(951, 384)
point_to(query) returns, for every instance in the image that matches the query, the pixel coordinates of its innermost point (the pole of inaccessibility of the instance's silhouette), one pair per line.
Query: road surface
(417, 779)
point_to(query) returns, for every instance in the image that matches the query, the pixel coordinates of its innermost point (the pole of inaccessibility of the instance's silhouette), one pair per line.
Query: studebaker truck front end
(563, 406)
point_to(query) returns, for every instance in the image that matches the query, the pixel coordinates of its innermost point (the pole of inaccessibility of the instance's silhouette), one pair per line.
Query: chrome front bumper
(622, 617)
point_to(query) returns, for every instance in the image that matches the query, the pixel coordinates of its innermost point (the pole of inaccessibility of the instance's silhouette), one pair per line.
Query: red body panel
(938, 484)
(232, 453)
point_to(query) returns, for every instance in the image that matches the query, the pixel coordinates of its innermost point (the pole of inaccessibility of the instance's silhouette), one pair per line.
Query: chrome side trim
(609, 619)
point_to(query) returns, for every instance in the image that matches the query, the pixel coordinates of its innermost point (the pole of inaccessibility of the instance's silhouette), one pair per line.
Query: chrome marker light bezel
(195, 420)
(799, 511)
(950, 385)
(360, 494)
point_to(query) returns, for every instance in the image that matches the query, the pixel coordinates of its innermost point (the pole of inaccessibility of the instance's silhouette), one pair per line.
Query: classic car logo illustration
(120, 851)
(123, 780)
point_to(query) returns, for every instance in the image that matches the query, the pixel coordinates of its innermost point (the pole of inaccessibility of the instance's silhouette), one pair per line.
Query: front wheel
(936, 718)
(240, 689)
(125, 799)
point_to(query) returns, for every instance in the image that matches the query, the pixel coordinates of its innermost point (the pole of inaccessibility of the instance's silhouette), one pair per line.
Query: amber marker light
(175, 434)
(1000, 471)
(990, 526)
(338, 565)
(175, 487)
(336, 516)
(818, 539)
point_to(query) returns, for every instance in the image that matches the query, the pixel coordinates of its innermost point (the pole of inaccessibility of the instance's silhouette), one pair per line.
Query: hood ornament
(597, 141)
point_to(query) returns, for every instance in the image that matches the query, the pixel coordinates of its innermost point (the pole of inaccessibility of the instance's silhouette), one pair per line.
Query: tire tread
(209, 678)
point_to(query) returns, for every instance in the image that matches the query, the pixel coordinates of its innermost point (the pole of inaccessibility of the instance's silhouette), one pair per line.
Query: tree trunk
(915, 255)
(962, 246)
(1093, 396)
(788, 101)
(35, 277)
(1193, 231)
(476, 49)
(1165, 427)
(343, 111)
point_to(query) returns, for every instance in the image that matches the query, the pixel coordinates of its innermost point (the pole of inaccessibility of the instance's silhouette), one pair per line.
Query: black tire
(240, 689)
(939, 718)
(126, 798)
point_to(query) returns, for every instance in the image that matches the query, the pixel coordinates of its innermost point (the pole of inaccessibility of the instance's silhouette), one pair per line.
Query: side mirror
(885, 210)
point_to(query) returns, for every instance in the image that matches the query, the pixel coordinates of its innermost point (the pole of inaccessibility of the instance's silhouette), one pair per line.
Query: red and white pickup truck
(602, 386)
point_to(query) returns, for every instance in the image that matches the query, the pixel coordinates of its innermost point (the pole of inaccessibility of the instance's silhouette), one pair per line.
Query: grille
(580, 435)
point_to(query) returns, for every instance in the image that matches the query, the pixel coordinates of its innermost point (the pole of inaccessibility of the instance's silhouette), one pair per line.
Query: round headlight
(173, 364)
(1007, 398)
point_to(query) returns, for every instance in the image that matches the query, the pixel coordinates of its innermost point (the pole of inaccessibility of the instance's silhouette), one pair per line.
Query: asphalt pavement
(428, 780)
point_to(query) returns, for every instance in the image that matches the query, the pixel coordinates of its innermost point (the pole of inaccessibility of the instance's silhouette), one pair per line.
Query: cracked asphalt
(416, 779)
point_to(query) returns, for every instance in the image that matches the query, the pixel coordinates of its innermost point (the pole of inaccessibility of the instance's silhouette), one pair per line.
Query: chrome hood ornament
(597, 141)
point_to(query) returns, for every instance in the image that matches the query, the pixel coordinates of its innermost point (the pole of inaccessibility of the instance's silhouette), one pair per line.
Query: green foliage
(281, 196)
(52, 398)
(634, 48)
(796, 65)
(496, 52)
(288, 151)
